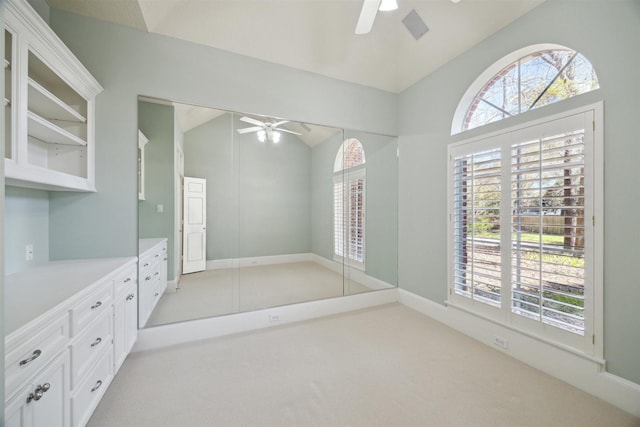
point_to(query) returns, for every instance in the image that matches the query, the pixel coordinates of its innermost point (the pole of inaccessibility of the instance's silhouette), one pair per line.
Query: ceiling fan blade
(367, 16)
(251, 129)
(276, 124)
(287, 131)
(252, 121)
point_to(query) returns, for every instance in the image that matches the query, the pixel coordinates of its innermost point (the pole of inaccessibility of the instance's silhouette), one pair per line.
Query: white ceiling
(318, 35)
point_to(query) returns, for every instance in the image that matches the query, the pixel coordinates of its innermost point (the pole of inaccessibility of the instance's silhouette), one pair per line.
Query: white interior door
(194, 247)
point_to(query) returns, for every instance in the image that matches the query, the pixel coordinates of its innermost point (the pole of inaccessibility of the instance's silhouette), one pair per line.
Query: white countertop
(144, 245)
(31, 293)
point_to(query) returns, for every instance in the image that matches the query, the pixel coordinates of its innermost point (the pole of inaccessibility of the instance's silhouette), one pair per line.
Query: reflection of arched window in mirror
(349, 182)
(142, 141)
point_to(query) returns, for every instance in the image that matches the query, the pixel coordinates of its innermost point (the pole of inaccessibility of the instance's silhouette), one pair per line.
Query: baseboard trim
(216, 264)
(196, 330)
(172, 286)
(352, 272)
(583, 373)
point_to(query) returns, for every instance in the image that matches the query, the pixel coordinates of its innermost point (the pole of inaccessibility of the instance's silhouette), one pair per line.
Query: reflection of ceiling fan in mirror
(267, 130)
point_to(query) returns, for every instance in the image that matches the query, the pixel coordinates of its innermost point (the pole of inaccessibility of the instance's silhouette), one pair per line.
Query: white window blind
(338, 217)
(547, 181)
(356, 218)
(476, 233)
(349, 183)
(523, 244)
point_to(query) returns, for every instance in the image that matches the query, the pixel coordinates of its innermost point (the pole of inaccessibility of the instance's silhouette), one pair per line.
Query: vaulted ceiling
(318, 35)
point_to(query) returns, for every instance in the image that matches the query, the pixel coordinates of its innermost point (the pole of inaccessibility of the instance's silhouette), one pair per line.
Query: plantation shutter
(356, 219)
(338, 216)
(476, 226)
(548, 233)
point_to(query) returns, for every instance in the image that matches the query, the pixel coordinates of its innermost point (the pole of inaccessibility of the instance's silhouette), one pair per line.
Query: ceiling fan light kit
(388, 5)
(266, 130)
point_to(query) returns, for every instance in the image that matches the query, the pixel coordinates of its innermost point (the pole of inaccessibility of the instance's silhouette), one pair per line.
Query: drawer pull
(157, 273)
(97, 386)
(165, 259)
(130, 297)
(96, 342)
(156, 294)
(157, 255)
(38, 392)
(127, 280)
(147, 278)
(33, 357)
(146, 264)
(96, 305)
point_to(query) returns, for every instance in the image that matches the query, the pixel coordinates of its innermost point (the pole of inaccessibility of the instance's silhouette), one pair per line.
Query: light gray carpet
(224, 291)
(385, 366)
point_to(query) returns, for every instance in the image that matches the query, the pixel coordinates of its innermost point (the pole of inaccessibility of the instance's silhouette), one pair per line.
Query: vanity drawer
(89, 346)
(88, 393)
(37, 349)
(123, 281)
(91, 308)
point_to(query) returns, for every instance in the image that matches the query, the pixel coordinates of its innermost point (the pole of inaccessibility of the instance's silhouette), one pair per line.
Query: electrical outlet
(274, 317)
(501, 342)
(29, 255)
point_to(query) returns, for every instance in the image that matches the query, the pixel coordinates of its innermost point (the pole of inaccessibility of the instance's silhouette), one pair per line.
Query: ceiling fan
(267, 130)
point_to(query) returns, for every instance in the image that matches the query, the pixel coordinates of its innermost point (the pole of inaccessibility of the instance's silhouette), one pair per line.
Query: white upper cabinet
(49, 107)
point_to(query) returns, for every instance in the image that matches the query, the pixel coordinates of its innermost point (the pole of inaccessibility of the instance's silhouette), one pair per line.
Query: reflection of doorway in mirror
(195, 225)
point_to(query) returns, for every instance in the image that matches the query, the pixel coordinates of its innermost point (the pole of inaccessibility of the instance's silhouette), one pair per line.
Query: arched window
(349, 203)
(527, 79)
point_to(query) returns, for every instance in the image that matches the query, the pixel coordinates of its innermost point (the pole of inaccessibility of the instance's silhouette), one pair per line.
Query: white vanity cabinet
(44, 400)
(63, 348)
(125, 315)
(153, 275)
(49, 107)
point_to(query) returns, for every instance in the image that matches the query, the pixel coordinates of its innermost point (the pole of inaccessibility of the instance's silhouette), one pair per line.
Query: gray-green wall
(259, 192)
(128, 63)
(26, 221)
(607, 33)
(157, 122)
(381, 204)
(322, 161)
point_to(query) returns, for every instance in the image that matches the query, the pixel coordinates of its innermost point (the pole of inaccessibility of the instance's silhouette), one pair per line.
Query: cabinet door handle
(156, 294)
(30, 359)
(127, 280)
(97, 386)
(96, 342)
(38, 392)
(96, 305)
(146, 264)
(157, 255)
(130, 297)
(147, 278)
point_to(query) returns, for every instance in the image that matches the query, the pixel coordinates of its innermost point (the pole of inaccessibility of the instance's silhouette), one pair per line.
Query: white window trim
(592, 344)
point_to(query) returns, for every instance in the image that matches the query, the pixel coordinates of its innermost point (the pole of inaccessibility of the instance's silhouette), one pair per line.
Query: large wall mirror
(260, 212)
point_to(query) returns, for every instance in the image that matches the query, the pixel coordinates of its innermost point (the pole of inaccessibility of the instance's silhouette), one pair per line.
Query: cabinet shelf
(46, 131)
(50, 106)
